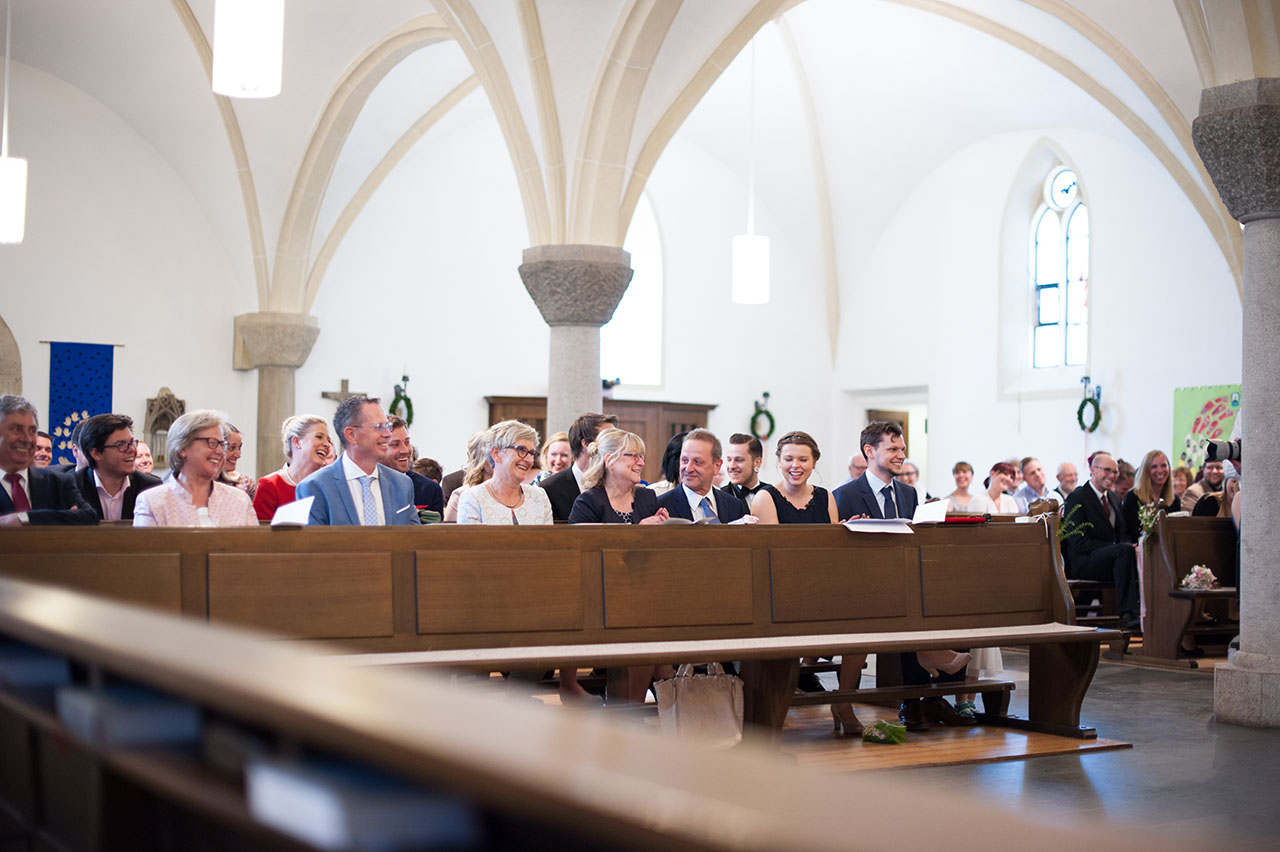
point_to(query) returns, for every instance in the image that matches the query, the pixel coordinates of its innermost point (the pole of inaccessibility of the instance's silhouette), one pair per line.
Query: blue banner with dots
(80, 378)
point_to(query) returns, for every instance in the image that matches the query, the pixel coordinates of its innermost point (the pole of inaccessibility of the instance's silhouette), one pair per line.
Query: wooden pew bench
(446, 588)
(1176, 546)
(1063, 660)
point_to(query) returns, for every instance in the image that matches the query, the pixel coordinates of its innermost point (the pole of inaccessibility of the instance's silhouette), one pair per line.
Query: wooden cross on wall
(343, 394)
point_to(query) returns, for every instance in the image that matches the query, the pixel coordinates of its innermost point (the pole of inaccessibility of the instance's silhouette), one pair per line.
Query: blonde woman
(478, 470)
(503, 499)
(307, 448)
(1154, 486)
(192, 496)
(612, 493)
(556, 455)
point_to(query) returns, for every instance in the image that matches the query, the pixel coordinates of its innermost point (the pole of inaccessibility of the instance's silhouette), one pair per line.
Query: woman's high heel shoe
(955, 664)
(846, 724)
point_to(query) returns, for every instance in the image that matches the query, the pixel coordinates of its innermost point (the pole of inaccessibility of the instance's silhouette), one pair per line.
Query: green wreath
(401, 398)
(1089, 402)
(755, 419)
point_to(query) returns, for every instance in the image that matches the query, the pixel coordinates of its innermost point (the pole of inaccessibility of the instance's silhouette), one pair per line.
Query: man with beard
(742, 465)
(1211, 483)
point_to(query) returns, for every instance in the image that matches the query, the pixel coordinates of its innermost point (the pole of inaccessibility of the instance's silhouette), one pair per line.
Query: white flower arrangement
(1199, 577)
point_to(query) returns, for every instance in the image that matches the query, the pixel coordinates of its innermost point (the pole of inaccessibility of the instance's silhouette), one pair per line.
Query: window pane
(1048, 249)
(1048, 346)
(1077, 344)
(1077, 302)
(1078, 244)
(1048, 308)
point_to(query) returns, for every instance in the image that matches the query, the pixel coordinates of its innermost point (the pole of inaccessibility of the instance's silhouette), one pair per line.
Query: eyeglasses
(520, 451)
(639, 456)
(121, 446)
(1115, 470)
(213, 443)
(379, 427)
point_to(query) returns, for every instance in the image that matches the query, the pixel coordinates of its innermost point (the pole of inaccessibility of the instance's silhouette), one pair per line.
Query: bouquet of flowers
(885, 733)
(1199, 577)
(1147, 517)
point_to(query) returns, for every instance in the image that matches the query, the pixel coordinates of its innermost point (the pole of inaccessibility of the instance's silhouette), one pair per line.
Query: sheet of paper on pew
(295, 514)
(926, 513)
(334, 804)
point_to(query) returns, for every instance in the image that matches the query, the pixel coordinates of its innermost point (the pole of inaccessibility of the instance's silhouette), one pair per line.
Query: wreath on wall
(401, 402)
(1095, 418)
(762, 422)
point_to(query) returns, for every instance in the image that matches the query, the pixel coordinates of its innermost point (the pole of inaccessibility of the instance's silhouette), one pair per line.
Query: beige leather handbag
(705, 709)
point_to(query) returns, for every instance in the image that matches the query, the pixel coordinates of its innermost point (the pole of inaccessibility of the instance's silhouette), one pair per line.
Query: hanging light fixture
(248, 48)
(751, 250)
(13, 170)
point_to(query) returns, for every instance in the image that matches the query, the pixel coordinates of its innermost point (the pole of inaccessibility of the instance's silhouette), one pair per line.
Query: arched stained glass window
(1060, 274)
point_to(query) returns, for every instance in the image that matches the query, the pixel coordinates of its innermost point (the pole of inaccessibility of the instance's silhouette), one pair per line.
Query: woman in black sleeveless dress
(795, 501)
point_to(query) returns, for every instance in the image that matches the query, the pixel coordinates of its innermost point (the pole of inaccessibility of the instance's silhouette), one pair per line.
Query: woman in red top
(307, 448)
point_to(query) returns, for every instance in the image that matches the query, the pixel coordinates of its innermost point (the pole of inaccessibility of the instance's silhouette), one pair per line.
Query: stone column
(577, 288)
(276, 345)
(1238, 137)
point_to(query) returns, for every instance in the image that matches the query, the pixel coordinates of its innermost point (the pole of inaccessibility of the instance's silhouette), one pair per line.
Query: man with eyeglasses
(357, 489)
(111, 483)
(1096, 545)
(28, 494)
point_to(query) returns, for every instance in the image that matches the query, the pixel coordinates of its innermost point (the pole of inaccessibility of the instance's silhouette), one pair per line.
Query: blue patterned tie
(890, 509)
(370, 507)
(707, 511)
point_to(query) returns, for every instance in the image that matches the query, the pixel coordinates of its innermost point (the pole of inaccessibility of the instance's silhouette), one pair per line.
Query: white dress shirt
(353, 473)
(112, 506)
(695, 503)
(877, 485)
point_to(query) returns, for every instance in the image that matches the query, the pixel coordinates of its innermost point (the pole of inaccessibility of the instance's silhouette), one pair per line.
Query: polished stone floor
(1186, 773)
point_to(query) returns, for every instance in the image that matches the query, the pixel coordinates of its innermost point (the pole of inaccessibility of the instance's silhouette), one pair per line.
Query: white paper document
(931, 513)
(295, 514)
(879, 525)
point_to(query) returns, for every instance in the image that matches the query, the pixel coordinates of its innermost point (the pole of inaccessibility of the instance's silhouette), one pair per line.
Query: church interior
(375, 228)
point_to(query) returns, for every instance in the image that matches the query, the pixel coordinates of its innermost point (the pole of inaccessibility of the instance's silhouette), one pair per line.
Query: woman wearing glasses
(504, 499)
(611, 490)
(192, 497)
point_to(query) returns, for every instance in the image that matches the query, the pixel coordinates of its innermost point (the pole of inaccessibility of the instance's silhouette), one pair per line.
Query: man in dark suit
(110, 484)
(564, 487)
(426, 492)
(1066, 480)
(29, 495)
(878, 494)
(742, 465)
(695, 499)
(357, 490)
(1098, 548)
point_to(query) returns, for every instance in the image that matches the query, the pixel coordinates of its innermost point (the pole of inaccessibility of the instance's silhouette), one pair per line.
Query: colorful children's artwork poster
(1201, 415)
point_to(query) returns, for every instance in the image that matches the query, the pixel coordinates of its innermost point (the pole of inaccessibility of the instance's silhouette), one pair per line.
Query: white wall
(117, 251)
(936, 272)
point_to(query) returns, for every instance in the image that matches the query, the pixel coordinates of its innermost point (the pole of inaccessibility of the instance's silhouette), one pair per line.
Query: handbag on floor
(701, 708)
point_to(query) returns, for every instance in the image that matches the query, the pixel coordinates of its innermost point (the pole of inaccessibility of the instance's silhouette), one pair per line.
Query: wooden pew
(617, 787)
(446, 588)
(1176, 545)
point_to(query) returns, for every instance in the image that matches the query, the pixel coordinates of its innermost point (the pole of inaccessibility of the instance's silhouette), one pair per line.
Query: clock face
(1060, 191)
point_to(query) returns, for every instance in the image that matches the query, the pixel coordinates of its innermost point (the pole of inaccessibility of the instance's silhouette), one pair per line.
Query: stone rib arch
(10, 361)
(290, 277)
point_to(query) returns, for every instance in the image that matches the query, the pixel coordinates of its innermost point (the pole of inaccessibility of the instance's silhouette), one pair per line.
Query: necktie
(890, 509)
(370, 507)
(707, 511)
(20, 501)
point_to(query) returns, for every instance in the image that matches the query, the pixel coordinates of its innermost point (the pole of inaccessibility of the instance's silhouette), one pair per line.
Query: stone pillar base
(1248, 696)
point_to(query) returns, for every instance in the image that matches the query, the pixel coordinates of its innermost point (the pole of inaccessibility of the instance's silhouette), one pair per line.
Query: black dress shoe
(809, 682)
(939, 711)
(1131, 624)
(911, 714)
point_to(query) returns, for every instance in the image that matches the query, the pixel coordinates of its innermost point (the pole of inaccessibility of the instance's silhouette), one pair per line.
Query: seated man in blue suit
(877, 494)
(28, 494)
(356, 490)
(696, 499)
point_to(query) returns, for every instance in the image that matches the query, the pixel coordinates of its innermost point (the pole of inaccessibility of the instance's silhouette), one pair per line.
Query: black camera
(1222, 451)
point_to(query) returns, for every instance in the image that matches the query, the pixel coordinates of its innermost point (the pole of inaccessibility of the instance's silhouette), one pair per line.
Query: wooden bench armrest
(765, 648)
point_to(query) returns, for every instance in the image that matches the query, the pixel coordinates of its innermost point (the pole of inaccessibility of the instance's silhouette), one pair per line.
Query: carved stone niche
(162, 410)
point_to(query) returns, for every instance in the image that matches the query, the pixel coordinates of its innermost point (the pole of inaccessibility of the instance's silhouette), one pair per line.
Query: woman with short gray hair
(192, 496)
(504, 499)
